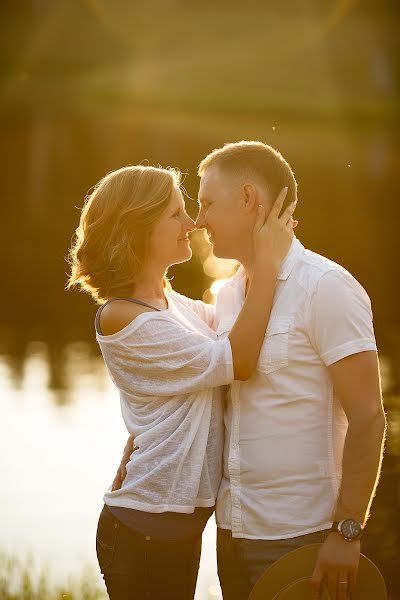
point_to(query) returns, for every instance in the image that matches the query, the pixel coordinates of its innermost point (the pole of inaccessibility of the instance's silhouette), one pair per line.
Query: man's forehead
(209, 179)
(202, 187)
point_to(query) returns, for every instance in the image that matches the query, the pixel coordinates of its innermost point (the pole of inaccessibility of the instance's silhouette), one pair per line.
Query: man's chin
(219, 253)
(215, 251)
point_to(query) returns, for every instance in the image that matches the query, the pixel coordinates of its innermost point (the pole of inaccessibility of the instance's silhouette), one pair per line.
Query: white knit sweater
(168, 367)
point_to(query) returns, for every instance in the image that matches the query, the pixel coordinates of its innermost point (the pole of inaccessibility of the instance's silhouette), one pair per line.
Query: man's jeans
(241, 562)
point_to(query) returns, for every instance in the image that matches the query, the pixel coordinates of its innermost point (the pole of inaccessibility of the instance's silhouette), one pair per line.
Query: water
(59, 456)
(60, 451)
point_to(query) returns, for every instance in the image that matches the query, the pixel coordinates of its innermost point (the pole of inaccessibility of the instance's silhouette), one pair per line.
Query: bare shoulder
(118, 314)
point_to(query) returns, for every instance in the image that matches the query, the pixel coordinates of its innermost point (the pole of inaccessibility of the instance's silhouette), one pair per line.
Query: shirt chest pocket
(275, 349)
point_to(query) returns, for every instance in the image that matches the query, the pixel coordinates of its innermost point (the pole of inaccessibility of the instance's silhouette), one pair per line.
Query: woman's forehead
(177, 199)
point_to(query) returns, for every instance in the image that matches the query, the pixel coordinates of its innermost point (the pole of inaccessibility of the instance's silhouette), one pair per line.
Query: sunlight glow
(217, 285)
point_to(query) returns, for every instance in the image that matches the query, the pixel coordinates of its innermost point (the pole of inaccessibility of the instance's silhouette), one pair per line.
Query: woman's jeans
(140, 567)
(241, 562)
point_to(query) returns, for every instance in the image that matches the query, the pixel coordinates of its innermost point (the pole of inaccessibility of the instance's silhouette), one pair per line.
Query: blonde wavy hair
(109, 245)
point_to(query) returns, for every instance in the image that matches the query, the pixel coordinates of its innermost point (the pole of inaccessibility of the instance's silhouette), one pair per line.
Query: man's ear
(249, 197)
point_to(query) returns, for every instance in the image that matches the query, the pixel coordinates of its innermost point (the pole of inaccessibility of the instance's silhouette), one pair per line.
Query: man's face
(222, 213)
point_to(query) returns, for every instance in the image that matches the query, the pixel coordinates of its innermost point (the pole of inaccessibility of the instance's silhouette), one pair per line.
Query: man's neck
(247, 263)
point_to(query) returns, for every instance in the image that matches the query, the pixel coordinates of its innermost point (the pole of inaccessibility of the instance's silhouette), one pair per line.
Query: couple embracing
(265, 407)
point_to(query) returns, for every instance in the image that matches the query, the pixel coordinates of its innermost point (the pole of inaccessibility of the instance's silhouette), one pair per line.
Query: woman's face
(169, 241)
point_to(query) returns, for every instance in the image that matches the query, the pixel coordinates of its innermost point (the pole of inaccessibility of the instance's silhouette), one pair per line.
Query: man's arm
(356, 382)
(121, 472)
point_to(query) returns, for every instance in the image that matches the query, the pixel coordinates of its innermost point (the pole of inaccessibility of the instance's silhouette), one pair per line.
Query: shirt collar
(295, 251)
(291, 258)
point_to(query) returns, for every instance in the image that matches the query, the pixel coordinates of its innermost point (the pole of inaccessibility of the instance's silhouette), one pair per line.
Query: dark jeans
(137, 566)
(241, 562)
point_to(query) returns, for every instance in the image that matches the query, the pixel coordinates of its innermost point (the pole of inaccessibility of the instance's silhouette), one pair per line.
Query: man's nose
(190, 224)
(200, 221)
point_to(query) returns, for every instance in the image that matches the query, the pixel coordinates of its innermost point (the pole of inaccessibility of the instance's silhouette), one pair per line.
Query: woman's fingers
(260, 218)
(277, 206)
(287, 213)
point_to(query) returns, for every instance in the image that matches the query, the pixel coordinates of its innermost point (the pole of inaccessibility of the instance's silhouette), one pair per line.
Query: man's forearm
(362, 458)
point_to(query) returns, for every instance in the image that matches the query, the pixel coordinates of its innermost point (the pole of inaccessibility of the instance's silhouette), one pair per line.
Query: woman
(165, 360)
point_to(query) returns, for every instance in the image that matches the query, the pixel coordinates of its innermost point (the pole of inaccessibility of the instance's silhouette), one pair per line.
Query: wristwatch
(349, 529)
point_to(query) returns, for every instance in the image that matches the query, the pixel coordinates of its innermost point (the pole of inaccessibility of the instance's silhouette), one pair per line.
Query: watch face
(350, 529)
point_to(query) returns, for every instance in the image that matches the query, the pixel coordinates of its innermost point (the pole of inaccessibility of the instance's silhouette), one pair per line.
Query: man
(304, 433)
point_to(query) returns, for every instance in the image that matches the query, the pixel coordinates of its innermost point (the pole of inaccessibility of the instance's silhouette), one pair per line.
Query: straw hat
(289, 578)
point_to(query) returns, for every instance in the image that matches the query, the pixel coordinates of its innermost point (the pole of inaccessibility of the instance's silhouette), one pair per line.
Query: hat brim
(289, 578)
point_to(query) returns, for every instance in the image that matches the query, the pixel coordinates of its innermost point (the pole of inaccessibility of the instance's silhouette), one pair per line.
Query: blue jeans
(139, 567)
(241, 561)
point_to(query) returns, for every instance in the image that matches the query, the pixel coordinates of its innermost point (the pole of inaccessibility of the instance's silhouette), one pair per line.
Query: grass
(24, 581)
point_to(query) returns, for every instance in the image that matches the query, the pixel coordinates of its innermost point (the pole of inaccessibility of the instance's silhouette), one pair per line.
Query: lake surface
(60, 450)
(59, 455)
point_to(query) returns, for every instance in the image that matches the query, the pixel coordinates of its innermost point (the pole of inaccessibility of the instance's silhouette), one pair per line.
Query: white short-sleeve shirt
(284, 427)
(168, 367)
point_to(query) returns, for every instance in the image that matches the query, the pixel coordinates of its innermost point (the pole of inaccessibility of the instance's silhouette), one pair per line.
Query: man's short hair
(256, 160)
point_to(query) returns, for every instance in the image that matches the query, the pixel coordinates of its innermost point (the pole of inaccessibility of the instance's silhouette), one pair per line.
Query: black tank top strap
(134, 300)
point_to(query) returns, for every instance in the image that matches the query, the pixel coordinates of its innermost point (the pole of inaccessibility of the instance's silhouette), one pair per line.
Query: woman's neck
(151, 289)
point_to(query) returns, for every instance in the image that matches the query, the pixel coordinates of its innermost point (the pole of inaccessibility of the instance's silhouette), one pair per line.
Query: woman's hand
(273, 235)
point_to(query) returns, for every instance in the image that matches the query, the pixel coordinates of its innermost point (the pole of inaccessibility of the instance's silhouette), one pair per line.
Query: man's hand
(121, 472)
(337, 567)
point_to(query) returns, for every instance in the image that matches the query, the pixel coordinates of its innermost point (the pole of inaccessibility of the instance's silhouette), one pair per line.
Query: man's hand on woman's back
(121, 472)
